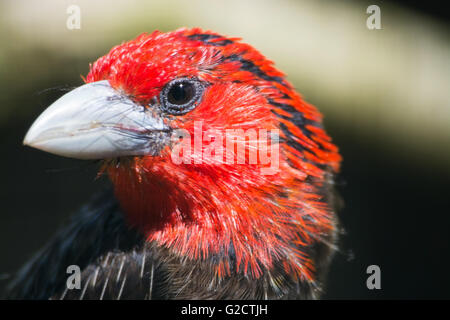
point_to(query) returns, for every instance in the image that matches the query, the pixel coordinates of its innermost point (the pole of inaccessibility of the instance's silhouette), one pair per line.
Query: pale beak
(95, 121)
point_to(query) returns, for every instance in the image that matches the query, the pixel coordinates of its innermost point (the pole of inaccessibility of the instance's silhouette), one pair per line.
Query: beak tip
(28, 140)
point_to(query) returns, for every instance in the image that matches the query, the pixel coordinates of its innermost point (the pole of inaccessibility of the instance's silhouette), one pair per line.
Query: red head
(205, 85)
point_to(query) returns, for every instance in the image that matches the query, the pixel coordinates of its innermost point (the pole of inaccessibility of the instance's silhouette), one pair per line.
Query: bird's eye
(181, 95)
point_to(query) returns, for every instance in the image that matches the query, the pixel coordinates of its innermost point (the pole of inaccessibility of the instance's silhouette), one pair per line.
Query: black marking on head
(289, 140)
(247, 65)
(297, 116)
(298, 120)
(205, 38)
(297, 146)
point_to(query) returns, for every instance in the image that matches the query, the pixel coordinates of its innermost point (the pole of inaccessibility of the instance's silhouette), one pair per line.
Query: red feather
(199, 210)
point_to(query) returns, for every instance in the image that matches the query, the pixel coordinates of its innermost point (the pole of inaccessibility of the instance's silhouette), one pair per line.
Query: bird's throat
(198, 216)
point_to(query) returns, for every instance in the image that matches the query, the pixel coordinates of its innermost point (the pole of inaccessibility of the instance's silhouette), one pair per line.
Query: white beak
(95, 121)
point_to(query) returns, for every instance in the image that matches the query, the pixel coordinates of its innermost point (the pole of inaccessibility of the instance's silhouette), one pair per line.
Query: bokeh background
(384, 94)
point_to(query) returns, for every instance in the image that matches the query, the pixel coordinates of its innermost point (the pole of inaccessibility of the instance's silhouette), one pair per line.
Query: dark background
(396, 211)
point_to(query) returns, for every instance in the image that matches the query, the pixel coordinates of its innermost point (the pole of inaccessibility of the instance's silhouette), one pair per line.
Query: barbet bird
(181, 223)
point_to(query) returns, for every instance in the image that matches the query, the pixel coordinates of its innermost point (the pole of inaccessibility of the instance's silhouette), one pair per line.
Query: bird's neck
(197, 213)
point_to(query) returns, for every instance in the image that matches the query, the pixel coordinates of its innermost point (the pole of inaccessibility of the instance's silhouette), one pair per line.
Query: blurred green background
(384, 94)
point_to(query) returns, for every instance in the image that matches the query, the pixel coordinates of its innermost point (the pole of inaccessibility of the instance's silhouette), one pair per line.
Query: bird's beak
(95, 121)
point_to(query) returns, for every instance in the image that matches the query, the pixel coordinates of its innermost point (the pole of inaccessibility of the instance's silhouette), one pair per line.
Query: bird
(189, 215)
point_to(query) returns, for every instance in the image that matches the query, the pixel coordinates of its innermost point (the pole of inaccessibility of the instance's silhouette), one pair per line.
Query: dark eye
(181, 95)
